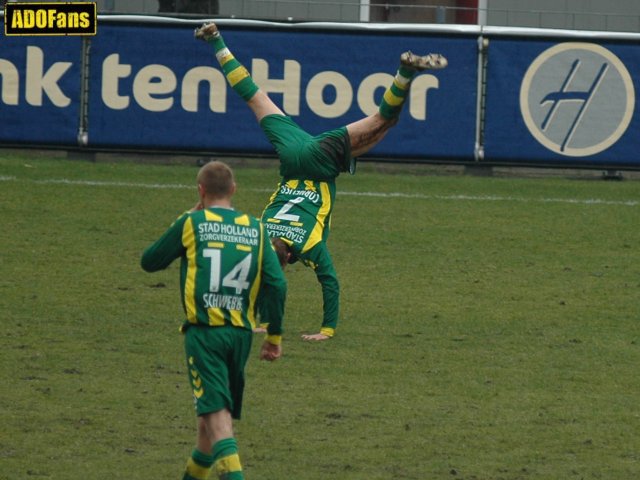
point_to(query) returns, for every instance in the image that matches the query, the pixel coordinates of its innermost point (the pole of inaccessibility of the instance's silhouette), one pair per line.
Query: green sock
(395, 95)
(199, 466)
(227, 460)
(235, 73)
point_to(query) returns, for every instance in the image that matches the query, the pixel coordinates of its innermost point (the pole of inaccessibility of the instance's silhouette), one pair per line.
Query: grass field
(490, 329)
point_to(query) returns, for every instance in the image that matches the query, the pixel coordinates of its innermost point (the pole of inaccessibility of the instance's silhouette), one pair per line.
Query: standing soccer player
(299, 211)
(227, 260)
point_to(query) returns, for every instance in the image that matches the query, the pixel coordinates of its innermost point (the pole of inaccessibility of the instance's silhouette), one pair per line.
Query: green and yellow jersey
(299, 212)
(226, 261)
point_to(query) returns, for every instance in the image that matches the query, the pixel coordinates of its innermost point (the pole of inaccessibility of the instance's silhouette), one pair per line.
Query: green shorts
(304, 156)
(216, 357)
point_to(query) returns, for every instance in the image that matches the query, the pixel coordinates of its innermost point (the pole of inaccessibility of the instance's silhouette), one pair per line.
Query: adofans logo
(577, 99)
(77, 18)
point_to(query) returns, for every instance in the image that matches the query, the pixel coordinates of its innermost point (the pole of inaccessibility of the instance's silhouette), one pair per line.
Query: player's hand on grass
(316, 337)
(270, 352)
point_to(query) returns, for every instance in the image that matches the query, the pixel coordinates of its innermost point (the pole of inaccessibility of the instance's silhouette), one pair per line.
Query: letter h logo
(565, 95)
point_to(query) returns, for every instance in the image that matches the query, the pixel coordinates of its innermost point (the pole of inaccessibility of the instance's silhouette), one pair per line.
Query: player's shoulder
(245, 220)
(222, 215)
(181, 219)
(242, 219)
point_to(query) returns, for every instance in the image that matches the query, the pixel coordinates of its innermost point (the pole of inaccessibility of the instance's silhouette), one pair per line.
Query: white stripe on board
(472, 198)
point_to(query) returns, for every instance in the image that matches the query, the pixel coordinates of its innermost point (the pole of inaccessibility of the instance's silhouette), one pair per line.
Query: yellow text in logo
(70, 18)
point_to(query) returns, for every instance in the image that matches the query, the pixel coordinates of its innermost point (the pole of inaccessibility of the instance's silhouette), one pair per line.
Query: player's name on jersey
(223, 232)
(50, 18)
(309, 194)
(216, 300)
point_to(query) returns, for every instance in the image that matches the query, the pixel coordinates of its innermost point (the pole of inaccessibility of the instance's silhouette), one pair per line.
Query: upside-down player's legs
(301, 155)
(236, 74)
(261, 105)
(326, 155)
(368, 132)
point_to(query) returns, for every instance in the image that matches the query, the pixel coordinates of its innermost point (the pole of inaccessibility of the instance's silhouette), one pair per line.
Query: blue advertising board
(548, 97)
(559, 101)
(40, 90)
(156, 87)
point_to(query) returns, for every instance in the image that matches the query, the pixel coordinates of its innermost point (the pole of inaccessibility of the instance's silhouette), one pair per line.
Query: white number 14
(237, 276)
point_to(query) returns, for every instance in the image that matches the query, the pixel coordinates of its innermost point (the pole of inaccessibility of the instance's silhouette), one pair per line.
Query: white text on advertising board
(156, 88)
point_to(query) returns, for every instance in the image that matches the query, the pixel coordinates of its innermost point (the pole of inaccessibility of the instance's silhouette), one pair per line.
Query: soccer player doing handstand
(298, 214)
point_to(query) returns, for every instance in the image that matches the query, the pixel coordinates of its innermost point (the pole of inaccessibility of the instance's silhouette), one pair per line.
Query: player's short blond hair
(217, 179)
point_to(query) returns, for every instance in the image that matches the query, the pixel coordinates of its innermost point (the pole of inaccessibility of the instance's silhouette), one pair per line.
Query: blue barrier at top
(566, 98)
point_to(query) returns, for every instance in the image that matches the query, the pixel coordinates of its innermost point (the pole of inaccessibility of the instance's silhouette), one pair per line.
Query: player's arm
(320, 260)
(273, 295)
(166, 249)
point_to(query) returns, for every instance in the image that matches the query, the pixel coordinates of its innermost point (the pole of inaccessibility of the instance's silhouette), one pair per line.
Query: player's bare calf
(432, 61)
